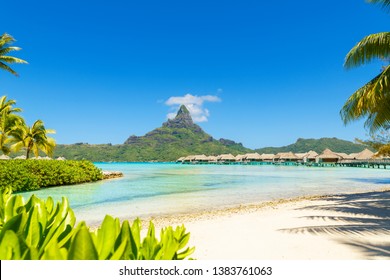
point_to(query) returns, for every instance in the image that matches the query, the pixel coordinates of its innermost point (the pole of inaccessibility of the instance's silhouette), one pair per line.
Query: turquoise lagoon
(156, 189)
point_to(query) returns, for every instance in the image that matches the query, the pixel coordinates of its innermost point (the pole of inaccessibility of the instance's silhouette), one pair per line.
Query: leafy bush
(42, 230)
(25, 175)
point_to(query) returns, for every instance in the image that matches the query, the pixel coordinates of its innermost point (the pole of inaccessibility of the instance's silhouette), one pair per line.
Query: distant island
(180, 137)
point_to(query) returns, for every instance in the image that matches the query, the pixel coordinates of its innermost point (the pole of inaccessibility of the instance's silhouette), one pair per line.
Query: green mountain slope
(182, 137)
(318, 145)
(175, 138)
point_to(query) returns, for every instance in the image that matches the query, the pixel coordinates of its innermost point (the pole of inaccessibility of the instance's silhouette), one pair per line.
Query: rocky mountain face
(185, 137)
(182, 120)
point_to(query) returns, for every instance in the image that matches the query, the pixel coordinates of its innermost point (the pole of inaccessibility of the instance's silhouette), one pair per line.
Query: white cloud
(194, 104)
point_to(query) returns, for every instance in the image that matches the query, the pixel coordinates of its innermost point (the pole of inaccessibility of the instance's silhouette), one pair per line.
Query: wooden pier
(380, 164)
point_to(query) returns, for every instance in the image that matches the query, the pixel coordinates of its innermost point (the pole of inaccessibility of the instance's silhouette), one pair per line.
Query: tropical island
(236, 202)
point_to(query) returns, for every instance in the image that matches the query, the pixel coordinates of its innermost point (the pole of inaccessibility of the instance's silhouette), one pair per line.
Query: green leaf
(9, 246)
(12, 206)
(32, 229)
(105, 237)
(15, 224)
(54, 252)
(124, 237)
(119, 252)
(82, 247)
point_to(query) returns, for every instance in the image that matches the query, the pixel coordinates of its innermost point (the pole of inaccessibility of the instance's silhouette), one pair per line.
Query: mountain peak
(183, 111)
(182, 120)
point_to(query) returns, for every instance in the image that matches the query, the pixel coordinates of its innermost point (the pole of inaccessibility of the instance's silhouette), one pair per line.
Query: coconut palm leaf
(5, 41)
(374, 46)
(384, 3)
(371, 101)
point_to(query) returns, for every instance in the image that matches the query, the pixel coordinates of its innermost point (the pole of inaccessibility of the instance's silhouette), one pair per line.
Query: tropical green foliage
(6, 41)
(146, 150)
(33, 138)
(8, 120)
(317, 145)
(143, 152)
(16, 135)
(25, 175)
(372, 101)
(43, 230)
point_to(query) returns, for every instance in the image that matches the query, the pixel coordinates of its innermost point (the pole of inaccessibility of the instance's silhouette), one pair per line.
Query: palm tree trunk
(28, 152)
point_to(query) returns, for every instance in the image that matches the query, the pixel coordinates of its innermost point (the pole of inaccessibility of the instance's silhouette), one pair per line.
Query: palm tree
(33, 138)
(7, 105)
(5, 41)
(373, 99)
(7, 121)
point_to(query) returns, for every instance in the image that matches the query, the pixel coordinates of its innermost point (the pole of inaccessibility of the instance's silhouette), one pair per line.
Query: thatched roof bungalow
(311, 156)
(189, 159)
(365, 155)
(345, 156)
(212, 159)
(329, 156)
(240, 158)
(286, 157)
(226, 158)
(201, 158)
(181, 159)
(267, 157)
(253, 157)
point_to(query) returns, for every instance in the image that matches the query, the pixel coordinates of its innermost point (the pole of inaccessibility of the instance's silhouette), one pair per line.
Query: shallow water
(154, 189)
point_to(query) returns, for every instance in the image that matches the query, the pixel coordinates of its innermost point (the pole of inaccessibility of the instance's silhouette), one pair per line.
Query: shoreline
(163, 220)
(353, 225)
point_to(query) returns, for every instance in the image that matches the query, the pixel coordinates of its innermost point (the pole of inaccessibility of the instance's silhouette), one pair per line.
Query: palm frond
(371, 101)
(11, 59)
(374, 46)
(8, 50)
(6, 39)
(384, 3)
(7, 68)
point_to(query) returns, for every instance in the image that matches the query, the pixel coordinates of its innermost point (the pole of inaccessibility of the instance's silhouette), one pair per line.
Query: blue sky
(263, 73)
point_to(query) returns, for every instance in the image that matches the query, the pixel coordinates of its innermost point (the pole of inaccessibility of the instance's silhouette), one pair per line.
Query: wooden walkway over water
(381, 164)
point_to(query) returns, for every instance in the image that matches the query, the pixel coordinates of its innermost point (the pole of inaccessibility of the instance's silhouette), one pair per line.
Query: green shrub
(26, 175)
(42, 230)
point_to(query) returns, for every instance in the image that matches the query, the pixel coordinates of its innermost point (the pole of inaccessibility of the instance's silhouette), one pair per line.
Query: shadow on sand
(357, 215)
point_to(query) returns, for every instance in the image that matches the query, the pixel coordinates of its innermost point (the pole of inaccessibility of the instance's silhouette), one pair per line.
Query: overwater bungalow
(212, 159)
(254, 157)
(301, 157)
(240, 158)
(181, 159)
(4, 157)
(201, 159)
(282, 157)
(366, 154)
(311, 156)
(189, 159)
(226, 158)
(345, 156)
(267, 157)
(328, 156)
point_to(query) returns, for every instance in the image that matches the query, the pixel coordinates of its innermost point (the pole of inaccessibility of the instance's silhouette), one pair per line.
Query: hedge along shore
(27, 175)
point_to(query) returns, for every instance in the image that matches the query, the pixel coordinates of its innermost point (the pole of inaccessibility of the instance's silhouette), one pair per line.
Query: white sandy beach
(351, 226)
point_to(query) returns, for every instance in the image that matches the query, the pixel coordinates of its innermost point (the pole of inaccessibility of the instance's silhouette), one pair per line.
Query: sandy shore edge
(326, 227)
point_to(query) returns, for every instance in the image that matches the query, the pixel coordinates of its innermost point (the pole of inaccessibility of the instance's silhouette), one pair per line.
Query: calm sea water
(162, 189)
